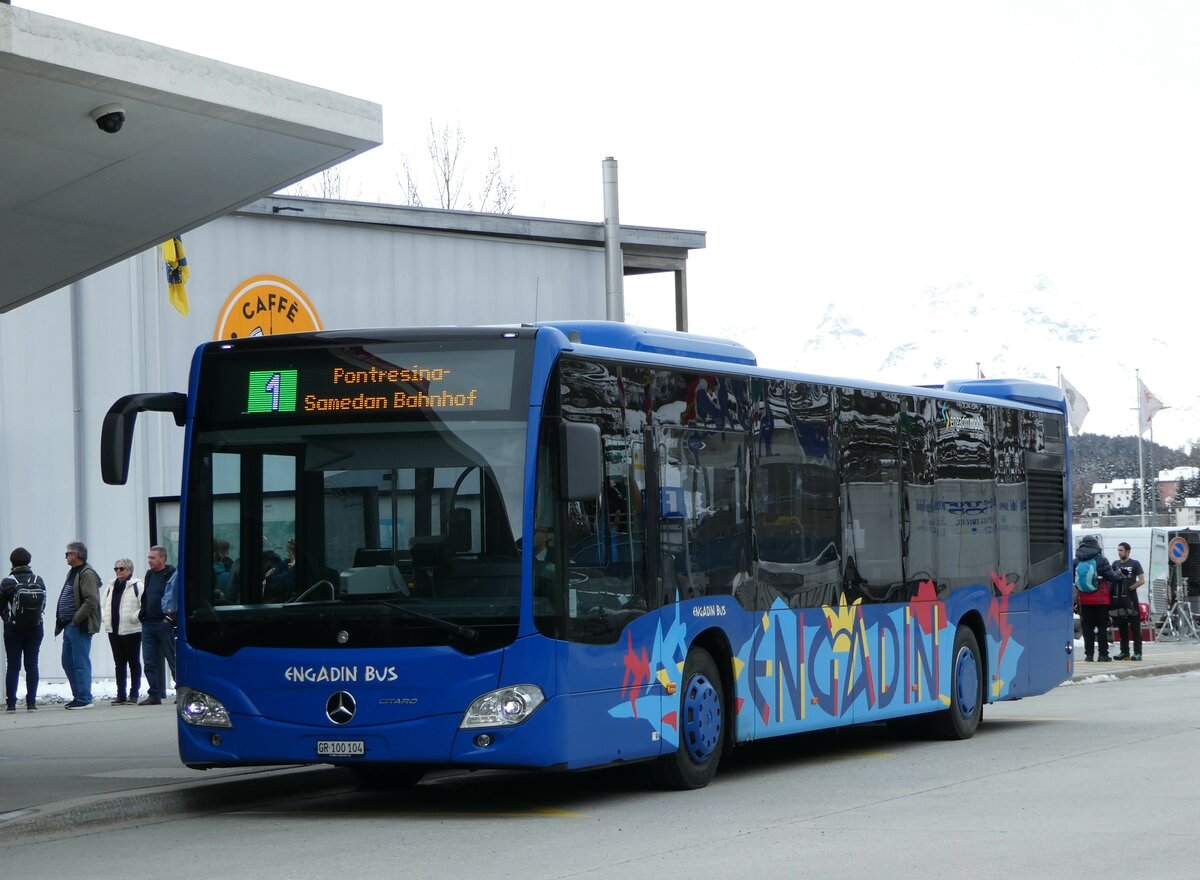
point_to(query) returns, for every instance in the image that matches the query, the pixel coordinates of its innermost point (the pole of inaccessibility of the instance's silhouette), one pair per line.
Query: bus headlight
(202, 710)
(504, 707)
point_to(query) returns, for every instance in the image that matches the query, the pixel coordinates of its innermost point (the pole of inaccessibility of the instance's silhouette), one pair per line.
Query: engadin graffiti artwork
(803, 669)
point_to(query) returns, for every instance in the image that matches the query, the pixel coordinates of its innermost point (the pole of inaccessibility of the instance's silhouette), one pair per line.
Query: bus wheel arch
(968, 683)
(704, 721)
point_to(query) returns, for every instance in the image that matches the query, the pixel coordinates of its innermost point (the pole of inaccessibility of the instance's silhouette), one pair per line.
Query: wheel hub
(701, 719)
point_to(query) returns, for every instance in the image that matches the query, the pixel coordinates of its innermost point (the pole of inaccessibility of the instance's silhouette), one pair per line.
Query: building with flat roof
(277, 265)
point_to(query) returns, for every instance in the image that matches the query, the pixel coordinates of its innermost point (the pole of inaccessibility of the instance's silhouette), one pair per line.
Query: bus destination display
(404, 381)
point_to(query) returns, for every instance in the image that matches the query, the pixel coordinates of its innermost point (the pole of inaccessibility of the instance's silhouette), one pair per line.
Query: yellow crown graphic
(841, 621)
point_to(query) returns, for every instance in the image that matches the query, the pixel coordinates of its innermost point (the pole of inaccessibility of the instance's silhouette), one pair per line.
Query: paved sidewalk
(63, 771)
(1158, 658)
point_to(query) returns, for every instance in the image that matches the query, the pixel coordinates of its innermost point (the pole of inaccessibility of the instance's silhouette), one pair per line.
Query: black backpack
(28, 603)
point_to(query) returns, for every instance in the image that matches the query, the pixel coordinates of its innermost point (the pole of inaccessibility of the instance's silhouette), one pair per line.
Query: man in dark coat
(158, 626)
(77, 617)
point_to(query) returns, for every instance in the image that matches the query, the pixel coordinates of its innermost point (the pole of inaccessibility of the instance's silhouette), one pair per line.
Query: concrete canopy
(200, 139)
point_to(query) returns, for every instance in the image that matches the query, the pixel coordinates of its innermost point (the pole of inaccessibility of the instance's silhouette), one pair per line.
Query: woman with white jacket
(119, 606)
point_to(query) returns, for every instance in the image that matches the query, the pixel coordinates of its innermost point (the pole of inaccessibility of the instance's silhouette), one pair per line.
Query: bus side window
(796, 500)
(702, 524)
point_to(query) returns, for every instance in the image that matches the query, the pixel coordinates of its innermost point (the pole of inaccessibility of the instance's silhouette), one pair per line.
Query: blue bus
(577, 544)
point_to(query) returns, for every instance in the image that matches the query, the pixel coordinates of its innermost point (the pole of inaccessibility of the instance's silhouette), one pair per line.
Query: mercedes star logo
(340, 708)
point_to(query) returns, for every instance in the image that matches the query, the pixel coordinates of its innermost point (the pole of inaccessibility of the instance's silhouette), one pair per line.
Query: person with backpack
(22, 599)
(1093, 572)
(119, 607)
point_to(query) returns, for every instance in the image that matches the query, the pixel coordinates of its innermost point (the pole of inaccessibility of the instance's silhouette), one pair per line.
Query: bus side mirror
(582, 461)
(116, 435)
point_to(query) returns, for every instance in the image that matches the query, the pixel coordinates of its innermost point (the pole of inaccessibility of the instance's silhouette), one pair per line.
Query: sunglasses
(119, 568)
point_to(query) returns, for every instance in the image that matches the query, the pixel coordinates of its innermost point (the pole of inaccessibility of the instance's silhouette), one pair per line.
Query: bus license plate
(340, 748)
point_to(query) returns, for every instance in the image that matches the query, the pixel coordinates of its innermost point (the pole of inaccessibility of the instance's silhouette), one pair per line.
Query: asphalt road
(1052, 786)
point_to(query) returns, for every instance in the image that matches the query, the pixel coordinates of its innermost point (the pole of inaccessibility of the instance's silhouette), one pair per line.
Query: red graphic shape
(637, 673)
(922, 606)
(998, 612)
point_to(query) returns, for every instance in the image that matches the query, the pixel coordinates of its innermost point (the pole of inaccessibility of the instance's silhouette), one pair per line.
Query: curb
(1131, 670)
(103, 811)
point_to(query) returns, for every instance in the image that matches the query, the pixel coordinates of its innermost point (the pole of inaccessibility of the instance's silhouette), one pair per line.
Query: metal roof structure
(200, 138)
(644, 249)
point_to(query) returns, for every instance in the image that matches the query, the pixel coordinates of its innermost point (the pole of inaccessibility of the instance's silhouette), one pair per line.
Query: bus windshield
(341, 528)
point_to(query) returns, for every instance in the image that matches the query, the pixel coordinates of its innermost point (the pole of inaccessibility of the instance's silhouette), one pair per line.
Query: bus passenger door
(609, 643)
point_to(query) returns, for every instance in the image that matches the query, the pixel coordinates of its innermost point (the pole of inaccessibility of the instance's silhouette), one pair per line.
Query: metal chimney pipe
(614, 262)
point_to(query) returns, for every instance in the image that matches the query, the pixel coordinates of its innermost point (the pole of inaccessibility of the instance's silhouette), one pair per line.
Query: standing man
(78, 619)
(1125, 605)
(158, 629)
(1092, 573)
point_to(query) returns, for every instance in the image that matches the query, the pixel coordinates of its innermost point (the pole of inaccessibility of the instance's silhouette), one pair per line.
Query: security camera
(109, 118)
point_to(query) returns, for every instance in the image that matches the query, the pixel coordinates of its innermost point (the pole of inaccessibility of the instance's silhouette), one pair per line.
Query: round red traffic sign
(1178, 550)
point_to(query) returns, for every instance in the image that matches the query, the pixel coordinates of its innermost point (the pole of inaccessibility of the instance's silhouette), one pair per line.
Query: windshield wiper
(466, 633)
(302, 609)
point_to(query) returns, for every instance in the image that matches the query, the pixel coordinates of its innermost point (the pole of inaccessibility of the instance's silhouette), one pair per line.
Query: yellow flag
(177, 274)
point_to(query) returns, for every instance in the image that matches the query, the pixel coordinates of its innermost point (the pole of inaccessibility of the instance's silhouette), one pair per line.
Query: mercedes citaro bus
(576, 544)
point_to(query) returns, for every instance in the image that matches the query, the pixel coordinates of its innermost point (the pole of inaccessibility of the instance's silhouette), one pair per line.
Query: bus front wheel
(701, 726)
(966, 689)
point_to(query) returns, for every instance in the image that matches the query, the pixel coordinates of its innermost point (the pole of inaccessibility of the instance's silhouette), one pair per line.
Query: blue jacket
(169, 603)
(1089, 548)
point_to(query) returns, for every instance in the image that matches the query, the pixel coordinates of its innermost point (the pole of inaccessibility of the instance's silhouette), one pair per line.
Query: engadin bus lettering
(318, 674)
(805, 670)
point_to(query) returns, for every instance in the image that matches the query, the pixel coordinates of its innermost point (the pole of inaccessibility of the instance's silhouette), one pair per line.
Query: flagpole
(1141, 461)
(1154, 479)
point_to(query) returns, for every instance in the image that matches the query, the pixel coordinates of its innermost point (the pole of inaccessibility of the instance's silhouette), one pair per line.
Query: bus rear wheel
(701, 728)
(966, 689)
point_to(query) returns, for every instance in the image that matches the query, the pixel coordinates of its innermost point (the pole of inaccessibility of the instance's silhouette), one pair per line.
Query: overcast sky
(833, 152)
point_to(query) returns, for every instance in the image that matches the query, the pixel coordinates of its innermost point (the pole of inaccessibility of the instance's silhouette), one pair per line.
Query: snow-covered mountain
(968, 327)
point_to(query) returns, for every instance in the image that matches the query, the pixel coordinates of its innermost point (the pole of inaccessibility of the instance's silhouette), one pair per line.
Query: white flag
(1077, 405)
(1148, 405)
